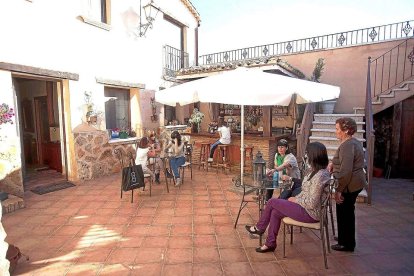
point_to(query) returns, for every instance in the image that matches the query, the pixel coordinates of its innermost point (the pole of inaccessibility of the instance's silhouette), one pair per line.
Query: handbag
(132, 177)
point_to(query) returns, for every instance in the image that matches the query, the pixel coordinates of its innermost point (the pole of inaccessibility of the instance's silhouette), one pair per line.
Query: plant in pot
(196, 118)
(92, 114)
(253, 116)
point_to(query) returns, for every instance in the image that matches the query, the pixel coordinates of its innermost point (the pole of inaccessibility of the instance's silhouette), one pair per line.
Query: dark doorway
(40, 131)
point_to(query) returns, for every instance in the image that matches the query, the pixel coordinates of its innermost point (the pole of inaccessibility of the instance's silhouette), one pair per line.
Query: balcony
(173, 60)
(369, 35)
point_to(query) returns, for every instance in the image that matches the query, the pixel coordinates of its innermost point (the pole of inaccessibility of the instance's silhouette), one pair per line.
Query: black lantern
(151, 12)
(259, 169)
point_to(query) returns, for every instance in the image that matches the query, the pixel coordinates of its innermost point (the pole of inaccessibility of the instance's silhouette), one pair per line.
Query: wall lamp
(151, 12)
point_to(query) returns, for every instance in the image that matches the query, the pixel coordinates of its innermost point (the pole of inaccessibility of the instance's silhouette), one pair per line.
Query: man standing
(225, 138)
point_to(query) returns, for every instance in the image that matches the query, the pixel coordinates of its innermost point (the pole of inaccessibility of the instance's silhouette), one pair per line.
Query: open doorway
(40, 128)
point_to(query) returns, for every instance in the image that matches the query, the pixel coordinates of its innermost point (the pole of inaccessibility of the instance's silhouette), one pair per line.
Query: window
(98, 10)
(117, 108)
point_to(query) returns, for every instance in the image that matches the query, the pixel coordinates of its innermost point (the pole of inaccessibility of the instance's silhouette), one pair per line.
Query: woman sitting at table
(285, 164)
(177, 156)
(143, 152)
(305, 207)
(154, 155)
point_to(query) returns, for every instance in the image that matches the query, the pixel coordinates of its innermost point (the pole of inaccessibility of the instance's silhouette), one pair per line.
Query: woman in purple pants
(305, 207)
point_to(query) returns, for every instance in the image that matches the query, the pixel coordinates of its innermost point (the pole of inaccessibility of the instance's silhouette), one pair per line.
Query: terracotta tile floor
(89, 230)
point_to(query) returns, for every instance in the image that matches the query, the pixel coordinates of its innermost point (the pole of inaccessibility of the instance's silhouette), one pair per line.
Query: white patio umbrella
(244, 86)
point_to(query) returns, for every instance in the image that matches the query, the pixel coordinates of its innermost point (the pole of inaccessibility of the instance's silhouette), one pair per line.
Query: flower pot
(377, 172)
(194, 128)
(123, 135)
(115, 134)
(327, 107)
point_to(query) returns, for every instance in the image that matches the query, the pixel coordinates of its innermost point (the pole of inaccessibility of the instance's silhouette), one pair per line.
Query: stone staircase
(323, 131)
(390, 97)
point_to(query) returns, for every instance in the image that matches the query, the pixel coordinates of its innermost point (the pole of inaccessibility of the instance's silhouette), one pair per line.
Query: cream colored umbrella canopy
(244, 86)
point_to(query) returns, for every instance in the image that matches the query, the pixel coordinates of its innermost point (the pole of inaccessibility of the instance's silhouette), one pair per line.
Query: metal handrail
(384, 73)
(392, 68)
(336, 40)
(369, 132)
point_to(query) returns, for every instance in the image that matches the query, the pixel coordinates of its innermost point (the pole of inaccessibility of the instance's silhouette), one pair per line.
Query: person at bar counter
(285, 164)
(178, 156)
(225, 138)
(348, 168)
(304, 207)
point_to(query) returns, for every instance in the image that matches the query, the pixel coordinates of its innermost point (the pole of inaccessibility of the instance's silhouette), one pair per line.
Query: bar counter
(266, 145)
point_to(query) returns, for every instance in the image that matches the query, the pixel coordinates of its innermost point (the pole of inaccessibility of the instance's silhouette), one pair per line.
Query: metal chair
(188, 151)
(321, 226)
(152, 163)
(332, 190)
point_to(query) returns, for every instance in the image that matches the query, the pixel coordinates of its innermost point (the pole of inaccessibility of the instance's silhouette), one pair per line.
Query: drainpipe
(196, 44)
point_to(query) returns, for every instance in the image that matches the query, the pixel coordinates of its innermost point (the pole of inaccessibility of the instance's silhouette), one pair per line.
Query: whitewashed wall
(50, 34)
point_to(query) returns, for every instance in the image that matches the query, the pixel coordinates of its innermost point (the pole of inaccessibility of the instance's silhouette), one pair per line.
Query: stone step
(329, 141)
(362, 196)
(359, 110)
(332, 149)
(331, 125)
(334, 117)
(13, 203)
(323, 132)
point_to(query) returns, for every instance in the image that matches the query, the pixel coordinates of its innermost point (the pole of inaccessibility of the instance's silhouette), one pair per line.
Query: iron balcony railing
(174, 59)
(392, 68)
(336, 40)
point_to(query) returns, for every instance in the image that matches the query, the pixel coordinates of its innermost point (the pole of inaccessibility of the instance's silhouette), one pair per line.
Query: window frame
(105, 16)
(127, 92)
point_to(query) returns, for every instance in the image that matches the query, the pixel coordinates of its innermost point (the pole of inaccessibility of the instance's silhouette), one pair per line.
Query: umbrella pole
(242, 144)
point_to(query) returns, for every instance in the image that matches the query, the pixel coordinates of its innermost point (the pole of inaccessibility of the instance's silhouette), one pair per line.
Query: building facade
(72, 70)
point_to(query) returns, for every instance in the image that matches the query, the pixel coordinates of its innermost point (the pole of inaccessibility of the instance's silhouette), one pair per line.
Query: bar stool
(248, 156)
(223, 160)
(204, 154)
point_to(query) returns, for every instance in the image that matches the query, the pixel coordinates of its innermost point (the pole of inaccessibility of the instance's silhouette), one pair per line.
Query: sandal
(253, 230)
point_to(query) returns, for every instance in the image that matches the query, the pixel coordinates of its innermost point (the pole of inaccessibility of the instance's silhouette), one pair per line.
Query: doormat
(40, 190)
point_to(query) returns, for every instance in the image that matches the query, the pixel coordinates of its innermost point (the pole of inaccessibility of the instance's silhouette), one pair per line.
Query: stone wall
(95, 156)
(11, 180)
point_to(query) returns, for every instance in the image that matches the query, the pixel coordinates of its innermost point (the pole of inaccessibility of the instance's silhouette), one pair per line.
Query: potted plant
(253, 116)
(91, 113)
(196, 118)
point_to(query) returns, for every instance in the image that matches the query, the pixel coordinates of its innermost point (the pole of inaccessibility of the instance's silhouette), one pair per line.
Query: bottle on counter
(275, 181)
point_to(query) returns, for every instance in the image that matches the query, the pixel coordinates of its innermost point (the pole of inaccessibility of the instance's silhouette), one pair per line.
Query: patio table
(258, 188)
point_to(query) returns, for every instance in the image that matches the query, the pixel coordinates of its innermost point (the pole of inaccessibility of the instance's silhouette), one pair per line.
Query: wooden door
(406, 156)
(42, 125)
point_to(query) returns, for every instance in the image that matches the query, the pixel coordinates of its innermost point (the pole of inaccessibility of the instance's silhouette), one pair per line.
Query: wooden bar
(266, 145)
